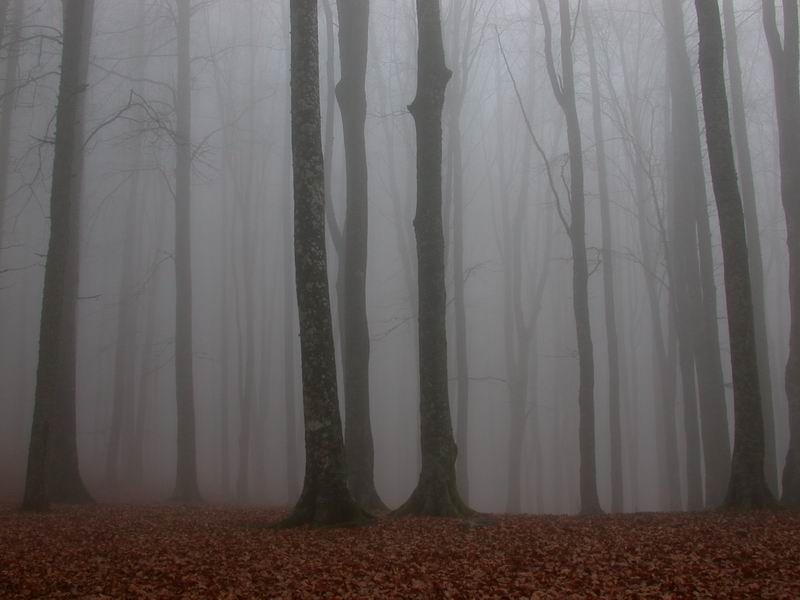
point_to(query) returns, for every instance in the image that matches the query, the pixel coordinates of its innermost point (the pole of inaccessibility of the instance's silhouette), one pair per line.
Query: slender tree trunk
(693, 264)
(745, 167)
(352, 98)
(612, 343)
(325, 498)
(289, 333)
(564, 90)
(747, 487)
(785, 60)
(146, 383)
(11, 28)
(436, 493)
(186, 489)
(63, 210)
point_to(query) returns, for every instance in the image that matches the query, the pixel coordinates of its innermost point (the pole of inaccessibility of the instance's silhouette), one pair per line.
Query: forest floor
(222, 552)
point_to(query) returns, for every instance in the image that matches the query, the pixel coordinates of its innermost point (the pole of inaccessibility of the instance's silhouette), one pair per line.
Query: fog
(512, 350)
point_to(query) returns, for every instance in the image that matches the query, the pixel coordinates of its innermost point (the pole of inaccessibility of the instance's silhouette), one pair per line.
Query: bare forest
(506, 287)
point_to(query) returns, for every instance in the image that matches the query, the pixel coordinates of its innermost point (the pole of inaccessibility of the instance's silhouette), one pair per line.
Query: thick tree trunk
(325, 498)
(745, 167)
(747, 487)
(785, 60)
(436, 493)
(352, 98)
(186, 489)
(63, 215)
(65, 483)
(612, 343)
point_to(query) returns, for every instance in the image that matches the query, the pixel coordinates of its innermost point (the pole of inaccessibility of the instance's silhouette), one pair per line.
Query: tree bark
(186, 489)
(48, 412)
(10, 28)
(325, 498)
(612, 342)
(564, 91)
(437, 492)
(747, 487)
(352, 98)
(694, 264)
(785, 60)
(744, 164)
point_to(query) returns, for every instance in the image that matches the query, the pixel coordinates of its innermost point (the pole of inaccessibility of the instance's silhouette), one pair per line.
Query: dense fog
(513, 357)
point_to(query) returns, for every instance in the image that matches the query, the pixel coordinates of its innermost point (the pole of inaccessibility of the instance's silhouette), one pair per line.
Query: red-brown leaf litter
(100, 552)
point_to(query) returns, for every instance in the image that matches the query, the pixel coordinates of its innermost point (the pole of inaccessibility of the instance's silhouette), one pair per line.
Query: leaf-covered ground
(173, 552)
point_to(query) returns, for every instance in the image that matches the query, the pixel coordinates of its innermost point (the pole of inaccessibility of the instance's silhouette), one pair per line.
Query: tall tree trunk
(564, 91)
(11, 28)
(147, 382)
(456, 167)
(694, 265)
(785, 60)
(352, 98)
(49, 394)
(65, 480)
(747, 487)
(612, 343)
(186, 489)
(436, 493)
(325, 498)
(745, 167)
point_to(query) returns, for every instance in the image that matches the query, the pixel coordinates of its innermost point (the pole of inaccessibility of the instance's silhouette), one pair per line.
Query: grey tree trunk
(748, 486)
(694, 266)
(785, 60)
(564, 91)
(10, 32)
(325, 498)
(352, 98)
(186, 489)
(612, 343)
(744, 164)
(437, 492)
(66, 485)
(49, 393)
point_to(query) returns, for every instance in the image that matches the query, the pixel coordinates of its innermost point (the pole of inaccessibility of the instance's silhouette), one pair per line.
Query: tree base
(325, 510)
(749, 496)
(791, 481)
(435, 498)
(73, 493)
(369, 500)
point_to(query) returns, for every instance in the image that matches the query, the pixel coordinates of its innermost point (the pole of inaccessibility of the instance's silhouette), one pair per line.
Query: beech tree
(785, 55)
(436, 493)
(564, 90)
(747, 487)
(186, 489)
(49, 411)
(325, 498)
(351, 95)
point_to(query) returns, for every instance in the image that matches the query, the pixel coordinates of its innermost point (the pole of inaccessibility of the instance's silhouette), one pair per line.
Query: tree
(564, 91)
(352, 98)
(186, 489)
(325, 498)
(694, 268)
(744, 165)
(747, 487)
(612, 342)
(437, 492)
(9, 28)
(77, 23)
(785, 60)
